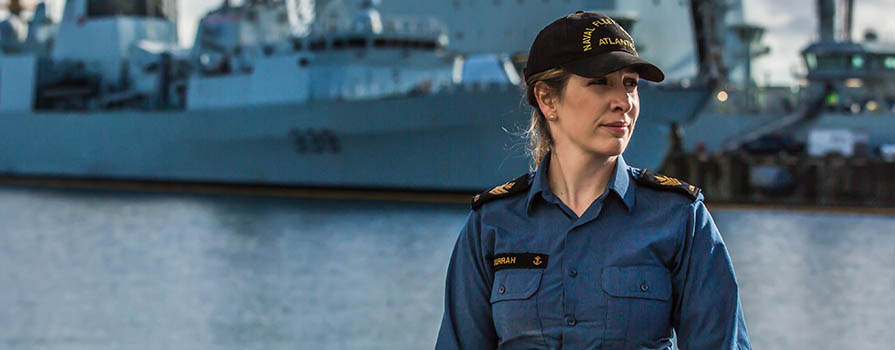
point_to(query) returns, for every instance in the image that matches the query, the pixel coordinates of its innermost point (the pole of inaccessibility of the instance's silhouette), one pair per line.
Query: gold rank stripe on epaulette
(662, 182)
(520, 184)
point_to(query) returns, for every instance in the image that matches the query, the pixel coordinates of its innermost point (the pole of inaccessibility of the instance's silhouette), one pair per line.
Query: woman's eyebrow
(630, 71)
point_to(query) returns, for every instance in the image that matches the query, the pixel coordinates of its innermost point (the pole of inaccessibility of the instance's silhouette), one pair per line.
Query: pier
(787, 180)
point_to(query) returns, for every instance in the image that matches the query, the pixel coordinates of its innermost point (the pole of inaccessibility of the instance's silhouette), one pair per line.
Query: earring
(552, 117)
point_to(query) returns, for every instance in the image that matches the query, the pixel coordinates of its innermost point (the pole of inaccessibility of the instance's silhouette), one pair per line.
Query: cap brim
(600, 65)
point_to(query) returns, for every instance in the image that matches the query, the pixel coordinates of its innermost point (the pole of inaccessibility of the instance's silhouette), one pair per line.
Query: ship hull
(460, 140)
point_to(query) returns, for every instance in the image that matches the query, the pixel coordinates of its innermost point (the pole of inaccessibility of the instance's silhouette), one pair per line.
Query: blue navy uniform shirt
(528, 273)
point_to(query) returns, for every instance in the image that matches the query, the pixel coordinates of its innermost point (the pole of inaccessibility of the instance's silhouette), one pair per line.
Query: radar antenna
(16, 7)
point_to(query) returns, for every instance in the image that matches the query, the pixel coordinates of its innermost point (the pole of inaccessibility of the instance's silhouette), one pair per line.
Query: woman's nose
(622, 101)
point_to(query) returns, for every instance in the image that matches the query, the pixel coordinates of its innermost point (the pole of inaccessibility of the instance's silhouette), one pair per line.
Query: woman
(587, 252)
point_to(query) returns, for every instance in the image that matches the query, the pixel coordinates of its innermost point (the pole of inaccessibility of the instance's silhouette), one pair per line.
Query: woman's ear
(546, 99)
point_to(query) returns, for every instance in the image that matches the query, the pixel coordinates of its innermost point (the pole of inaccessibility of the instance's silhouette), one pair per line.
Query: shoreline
(409, 196)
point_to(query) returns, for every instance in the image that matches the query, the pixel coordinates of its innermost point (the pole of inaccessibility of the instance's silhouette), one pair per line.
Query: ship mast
(835, 19)
(706, 15)
(848, 15)
(14, 7)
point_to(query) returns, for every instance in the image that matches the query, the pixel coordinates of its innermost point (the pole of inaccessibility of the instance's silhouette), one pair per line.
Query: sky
(790, 25)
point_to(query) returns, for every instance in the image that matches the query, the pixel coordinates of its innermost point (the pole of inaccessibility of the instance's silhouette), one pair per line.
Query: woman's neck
(578, 178)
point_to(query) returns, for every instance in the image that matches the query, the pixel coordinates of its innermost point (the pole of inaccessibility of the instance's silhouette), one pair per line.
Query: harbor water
(91, 269)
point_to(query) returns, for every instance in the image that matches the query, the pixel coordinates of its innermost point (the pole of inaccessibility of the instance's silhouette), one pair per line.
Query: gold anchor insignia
(502, 189)
(668, 181)
(537, 260)
(476, 198)
(692, 188)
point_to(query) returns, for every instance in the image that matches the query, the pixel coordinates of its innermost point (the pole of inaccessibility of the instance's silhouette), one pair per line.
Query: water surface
(112, 270)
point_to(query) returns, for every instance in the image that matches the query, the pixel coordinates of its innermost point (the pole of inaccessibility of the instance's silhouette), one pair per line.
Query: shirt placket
(576, 335)
(556, 221)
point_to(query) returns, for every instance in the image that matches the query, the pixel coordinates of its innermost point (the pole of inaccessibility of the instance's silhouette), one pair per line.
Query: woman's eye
(631, 83)
(597, 82)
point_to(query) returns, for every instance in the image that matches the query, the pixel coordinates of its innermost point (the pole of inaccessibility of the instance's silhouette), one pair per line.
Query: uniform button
(644, 287)
(570, 321)
(573, 272)
(501, 290)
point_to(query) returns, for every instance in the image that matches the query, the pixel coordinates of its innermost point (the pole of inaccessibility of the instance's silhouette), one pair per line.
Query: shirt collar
(620, 183)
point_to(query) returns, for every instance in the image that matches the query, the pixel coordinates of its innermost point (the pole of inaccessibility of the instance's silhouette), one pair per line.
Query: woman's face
(597, 115)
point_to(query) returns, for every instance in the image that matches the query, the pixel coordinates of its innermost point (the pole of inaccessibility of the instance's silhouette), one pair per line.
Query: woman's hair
(538, 134)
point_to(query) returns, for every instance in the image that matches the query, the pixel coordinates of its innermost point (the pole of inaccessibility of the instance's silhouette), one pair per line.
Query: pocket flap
(650, 282)
(515, 284)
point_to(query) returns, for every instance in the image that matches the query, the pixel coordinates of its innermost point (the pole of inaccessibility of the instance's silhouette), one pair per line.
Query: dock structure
(788, 180)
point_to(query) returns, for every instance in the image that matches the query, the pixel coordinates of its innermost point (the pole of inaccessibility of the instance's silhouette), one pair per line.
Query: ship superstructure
(365, 98)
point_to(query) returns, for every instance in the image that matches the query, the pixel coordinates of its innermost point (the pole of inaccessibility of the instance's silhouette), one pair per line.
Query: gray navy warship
(357, 94)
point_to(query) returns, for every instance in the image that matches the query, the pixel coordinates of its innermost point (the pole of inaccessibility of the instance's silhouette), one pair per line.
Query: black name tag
(519, 261)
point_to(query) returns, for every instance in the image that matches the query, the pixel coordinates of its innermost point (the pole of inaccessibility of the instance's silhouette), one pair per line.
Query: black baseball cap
(589, 44)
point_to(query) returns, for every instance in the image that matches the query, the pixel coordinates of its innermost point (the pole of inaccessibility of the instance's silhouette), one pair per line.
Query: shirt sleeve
(467, 322)
(707, 310)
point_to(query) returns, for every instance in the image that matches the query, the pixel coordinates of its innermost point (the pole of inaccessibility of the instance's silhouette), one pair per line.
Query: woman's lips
(617, 128)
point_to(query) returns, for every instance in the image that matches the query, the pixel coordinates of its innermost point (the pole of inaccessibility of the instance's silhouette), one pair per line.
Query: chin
(611, 148)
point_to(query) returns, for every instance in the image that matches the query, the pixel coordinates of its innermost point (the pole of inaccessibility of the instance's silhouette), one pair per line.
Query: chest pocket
(639, 303)
(514, 304)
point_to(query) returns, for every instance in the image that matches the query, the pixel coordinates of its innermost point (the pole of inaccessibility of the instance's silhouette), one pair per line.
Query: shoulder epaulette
(651, 179)
(520, 184)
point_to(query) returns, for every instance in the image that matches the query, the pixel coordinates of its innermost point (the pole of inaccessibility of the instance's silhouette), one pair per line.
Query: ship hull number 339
(314, 141)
